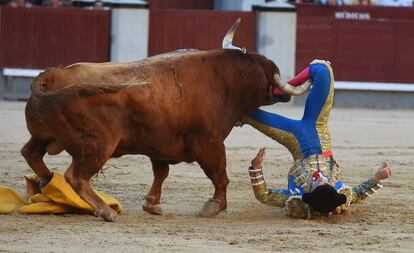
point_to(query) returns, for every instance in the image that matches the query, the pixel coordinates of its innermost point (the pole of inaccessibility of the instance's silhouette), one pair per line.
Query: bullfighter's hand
(383, 172)
(257, 161)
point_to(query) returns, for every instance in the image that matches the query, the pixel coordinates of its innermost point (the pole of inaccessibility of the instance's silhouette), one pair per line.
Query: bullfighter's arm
(274, 197)
(261, 192)
(364, 190)
(368, 187)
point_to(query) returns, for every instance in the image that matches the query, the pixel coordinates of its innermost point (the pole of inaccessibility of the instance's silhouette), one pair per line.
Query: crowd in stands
(51, 3)
(99, 4)
(395, 3)
(30, 3)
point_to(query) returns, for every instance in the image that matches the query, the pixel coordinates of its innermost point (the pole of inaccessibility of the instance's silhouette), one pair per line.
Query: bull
(176, 107)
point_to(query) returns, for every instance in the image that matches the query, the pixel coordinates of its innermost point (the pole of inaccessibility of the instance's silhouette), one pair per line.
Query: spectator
(52, 3)
(57, 3)
(20, 3)
(332, 2)
(395, 3)
(365, 2)
(5, 2)
(98, 5)
(66, 2)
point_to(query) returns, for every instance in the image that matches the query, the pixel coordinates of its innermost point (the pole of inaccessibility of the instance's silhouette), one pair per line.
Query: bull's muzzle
(290, 89)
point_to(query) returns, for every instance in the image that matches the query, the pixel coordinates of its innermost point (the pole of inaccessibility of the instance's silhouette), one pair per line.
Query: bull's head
(294, 87)
(283, 91)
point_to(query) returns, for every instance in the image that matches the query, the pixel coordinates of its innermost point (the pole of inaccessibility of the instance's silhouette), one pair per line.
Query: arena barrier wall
(370, 48)
(364, 43)
(129, 33)
(32, 39)
(41, 37)
(201, 29)
(276, 37)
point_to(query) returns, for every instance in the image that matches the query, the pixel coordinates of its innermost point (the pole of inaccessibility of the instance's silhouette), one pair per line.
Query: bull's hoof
(212, 207)
(152, 209)
(108, 214)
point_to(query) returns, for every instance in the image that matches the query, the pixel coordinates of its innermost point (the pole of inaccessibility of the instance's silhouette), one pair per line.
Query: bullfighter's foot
(107, 214)
(212, 207)
(152, 209)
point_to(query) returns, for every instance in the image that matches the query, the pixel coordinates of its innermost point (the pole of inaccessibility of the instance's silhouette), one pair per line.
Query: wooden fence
(201, 29)
(373, 44)
(42, 37)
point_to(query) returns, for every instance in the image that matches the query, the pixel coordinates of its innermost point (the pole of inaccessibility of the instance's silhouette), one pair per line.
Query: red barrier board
(174, 29)
(370, 44)
(41, 37)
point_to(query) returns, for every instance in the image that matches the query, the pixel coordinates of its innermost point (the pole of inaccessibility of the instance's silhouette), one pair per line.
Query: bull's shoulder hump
(171, 56)
(92, 64)
(165, 57)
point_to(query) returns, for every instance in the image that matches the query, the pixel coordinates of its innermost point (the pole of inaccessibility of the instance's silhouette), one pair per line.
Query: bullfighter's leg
(33, 152)
(152, 200)
(212, 159)
(79, 174)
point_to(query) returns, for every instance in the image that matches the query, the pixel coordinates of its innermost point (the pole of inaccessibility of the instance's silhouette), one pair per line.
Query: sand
(361, 140)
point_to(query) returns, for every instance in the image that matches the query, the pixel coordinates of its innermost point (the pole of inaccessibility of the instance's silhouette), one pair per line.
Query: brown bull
(173, 108)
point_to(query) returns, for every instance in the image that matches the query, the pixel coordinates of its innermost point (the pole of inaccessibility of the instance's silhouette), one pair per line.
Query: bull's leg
(78, 175)
(33, 152)
(152, 200)
(212, 159)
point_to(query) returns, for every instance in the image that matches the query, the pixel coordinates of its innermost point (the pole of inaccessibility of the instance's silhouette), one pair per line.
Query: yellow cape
(56, 197)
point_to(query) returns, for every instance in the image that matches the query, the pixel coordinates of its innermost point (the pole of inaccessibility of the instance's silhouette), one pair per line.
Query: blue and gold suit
(308, 140)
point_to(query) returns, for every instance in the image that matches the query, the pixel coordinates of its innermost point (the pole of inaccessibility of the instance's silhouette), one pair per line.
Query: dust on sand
(361, 140)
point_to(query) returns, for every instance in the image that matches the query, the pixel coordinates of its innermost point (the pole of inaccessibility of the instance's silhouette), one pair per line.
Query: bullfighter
(314, 181)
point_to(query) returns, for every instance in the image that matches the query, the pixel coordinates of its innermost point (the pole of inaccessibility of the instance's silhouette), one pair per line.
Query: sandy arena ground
(361, 139)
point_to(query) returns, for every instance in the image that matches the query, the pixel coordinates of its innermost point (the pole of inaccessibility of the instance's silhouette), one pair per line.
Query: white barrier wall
(276, 38)
(129, 34)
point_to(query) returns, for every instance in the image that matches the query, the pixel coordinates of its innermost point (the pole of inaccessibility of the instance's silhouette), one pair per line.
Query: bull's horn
(228, 39)
(292, 90)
